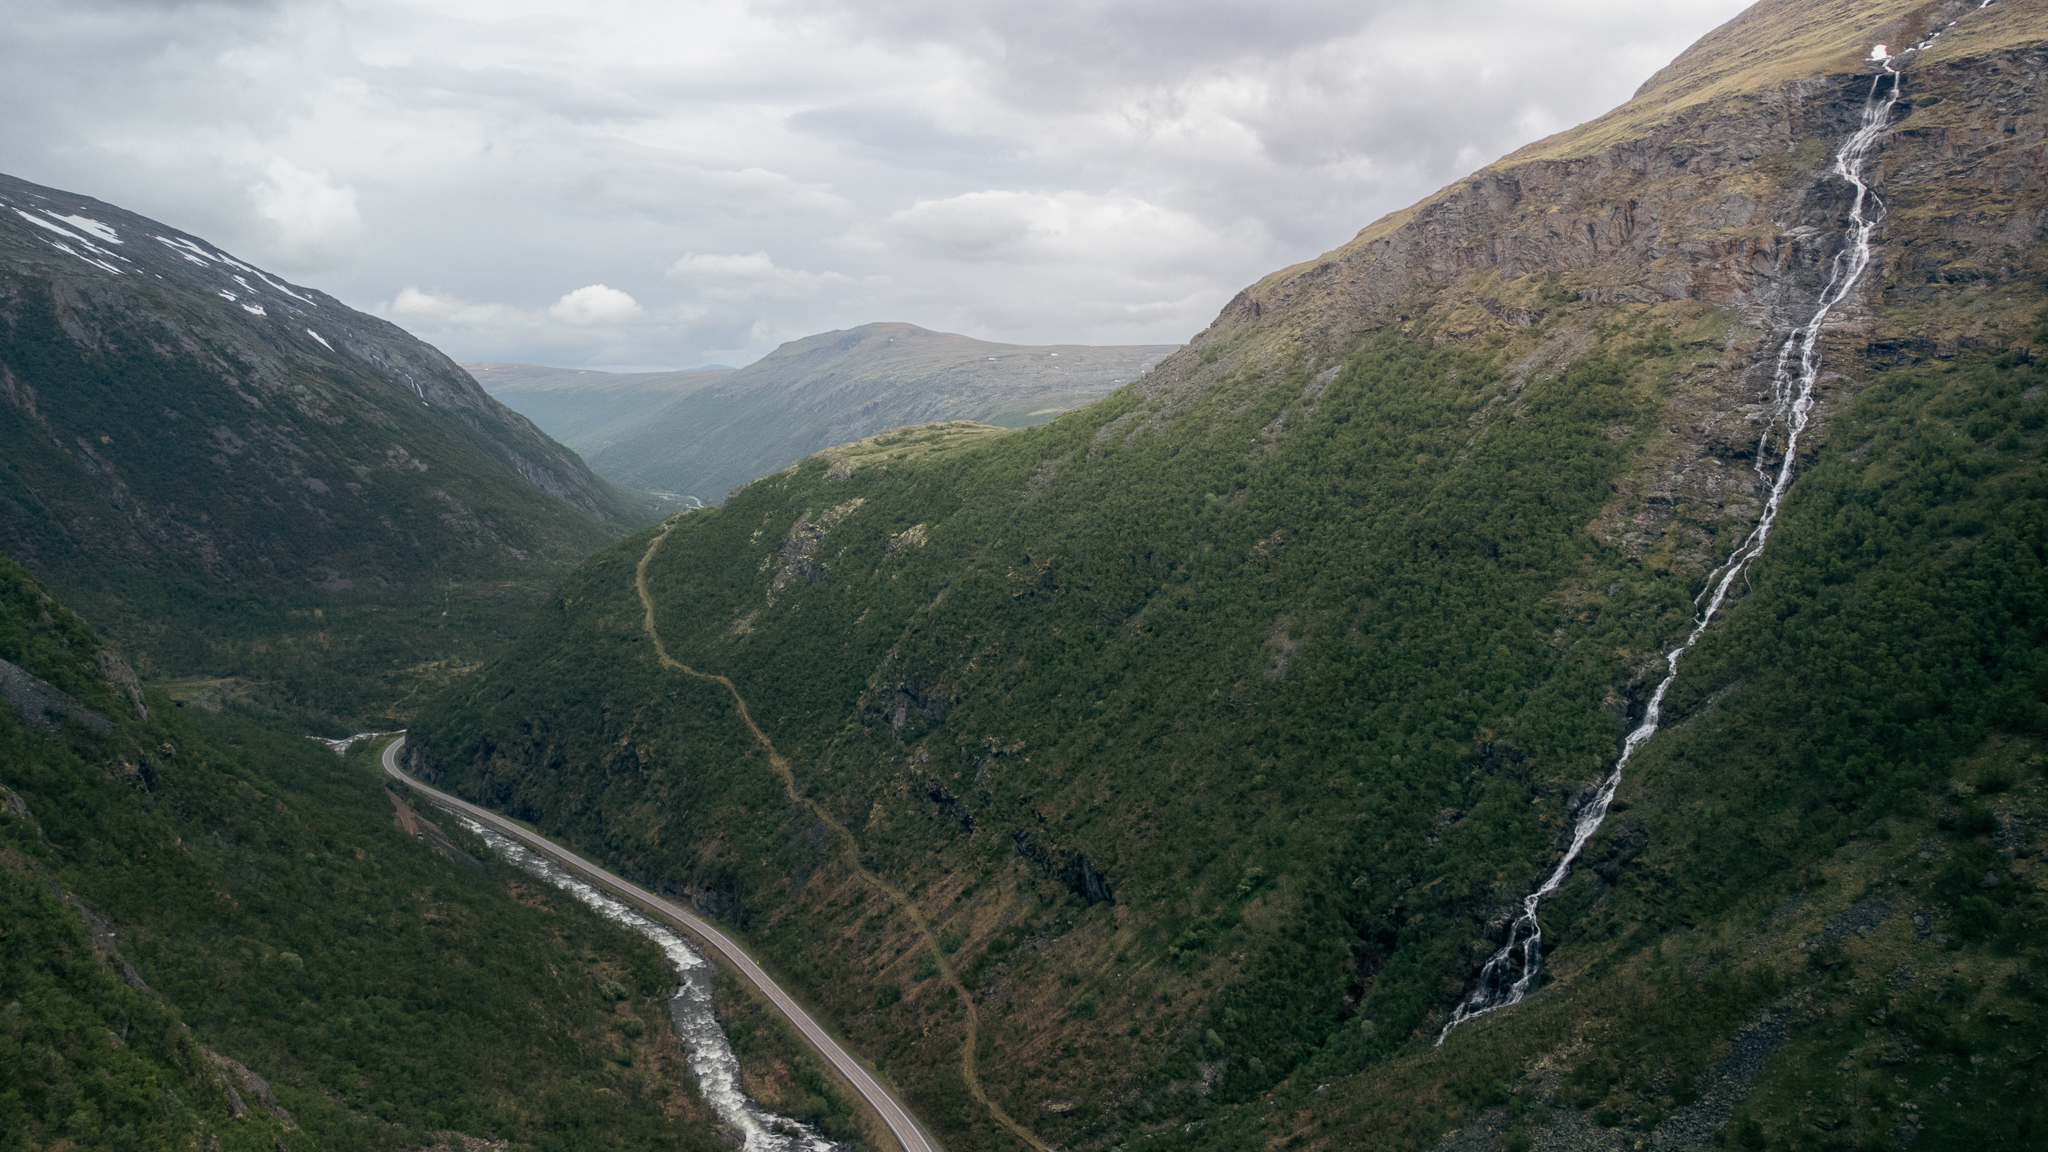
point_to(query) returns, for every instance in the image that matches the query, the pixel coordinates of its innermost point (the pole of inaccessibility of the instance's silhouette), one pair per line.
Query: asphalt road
(893, 1113)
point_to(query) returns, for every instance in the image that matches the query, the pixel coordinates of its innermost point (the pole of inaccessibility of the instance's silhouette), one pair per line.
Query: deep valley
(1566, 669)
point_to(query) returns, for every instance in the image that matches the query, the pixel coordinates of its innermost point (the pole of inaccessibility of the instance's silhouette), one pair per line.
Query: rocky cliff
(1711, 190)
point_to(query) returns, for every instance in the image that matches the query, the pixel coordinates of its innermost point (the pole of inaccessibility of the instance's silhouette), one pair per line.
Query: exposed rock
(911, 537)
(461, 1142)
(118, 673)
(255, 1085)
(952, 806)
(37, 703)
(1857, 919)
(795, 561)
(1077, 872)
(1721, 204)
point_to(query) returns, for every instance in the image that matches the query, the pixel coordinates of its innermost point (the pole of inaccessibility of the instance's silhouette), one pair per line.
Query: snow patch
(189, 250)
(68, 250)
(202, 257)
(253, 309)
(95, 250)
(59, 229)
(88, 224)
(321, 339)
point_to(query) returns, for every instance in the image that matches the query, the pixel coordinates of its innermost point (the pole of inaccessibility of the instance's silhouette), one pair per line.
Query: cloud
(731, 173)
(595, 305)
(1048, 228)
(412, 306)
(316, 226)
(750, 277)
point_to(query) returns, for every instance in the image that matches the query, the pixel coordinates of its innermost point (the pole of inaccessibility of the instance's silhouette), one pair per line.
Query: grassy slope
(1109, 645)
(1313, 669)
(245, 512)
(86, 1056)
(1315, 703)
(837, 386)
(262, 890)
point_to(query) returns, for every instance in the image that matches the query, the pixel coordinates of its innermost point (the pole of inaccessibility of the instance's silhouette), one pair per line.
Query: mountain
(220, 936)
(239, 475)
(828, 389)
(1175, 774)
(588, 411)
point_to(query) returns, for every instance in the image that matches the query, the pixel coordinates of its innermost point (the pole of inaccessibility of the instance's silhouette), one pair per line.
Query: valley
(562, 867)
(697, 435)
(1564, 669)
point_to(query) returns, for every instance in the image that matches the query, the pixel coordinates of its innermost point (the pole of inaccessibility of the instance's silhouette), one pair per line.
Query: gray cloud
(630, 183)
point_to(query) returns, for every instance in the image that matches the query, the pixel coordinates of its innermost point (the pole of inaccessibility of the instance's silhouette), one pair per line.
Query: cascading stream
(1508, 974)
(710, 1055)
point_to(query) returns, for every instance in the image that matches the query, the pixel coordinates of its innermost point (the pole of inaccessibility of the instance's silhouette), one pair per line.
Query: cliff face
(1711, 191)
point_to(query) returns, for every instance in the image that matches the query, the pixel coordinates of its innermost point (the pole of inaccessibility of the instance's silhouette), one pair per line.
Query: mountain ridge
(192, 439)
(839, 386)
(1311, 645)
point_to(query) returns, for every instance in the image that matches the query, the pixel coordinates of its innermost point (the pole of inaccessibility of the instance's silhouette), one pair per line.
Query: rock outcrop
(1711, 192)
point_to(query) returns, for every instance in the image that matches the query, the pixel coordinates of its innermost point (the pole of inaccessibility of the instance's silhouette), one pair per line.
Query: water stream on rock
(1508, 974)
(710, 1055)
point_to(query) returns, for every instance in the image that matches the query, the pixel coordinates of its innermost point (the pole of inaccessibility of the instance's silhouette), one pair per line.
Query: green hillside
(256, 907)
(239, 477)
(828, 389)
(1166, 772)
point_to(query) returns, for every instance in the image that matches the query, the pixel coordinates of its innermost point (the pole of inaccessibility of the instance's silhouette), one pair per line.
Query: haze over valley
(700, 434)
(1564, 668)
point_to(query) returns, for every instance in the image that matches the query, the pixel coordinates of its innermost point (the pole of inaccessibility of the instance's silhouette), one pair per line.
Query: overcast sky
(624, 183)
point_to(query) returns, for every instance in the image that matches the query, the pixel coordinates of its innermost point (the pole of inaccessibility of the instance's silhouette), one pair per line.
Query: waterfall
(1508, 974)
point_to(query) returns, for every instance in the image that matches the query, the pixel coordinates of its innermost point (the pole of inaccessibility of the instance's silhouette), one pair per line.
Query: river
(709, 1053)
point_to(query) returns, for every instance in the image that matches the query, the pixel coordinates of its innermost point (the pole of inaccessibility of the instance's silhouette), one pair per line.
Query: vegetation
(781, 1073)
(1311, 674)
(226, 506)
(263, 890)
(826, 389)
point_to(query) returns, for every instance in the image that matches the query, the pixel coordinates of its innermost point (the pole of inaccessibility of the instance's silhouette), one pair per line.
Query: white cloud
(750, 277)
(316, 227)
(1054, 228)
(438, 310)
(1028, 170)
(595, 305)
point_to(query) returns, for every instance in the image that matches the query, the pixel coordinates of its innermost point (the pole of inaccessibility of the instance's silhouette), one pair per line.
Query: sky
(631, 185)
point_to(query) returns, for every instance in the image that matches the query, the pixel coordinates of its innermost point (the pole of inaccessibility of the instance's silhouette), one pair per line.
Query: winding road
(908, 1134)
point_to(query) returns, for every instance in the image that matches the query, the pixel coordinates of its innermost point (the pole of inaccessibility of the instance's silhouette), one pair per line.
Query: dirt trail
(901, 899)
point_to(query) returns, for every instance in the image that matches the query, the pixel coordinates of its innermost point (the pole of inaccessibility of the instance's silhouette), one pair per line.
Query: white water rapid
(1507, 976)
(710, 1055)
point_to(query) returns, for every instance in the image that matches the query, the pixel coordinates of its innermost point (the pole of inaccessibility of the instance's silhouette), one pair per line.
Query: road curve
(906, 1129)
